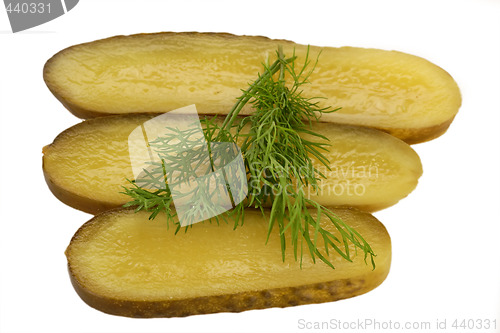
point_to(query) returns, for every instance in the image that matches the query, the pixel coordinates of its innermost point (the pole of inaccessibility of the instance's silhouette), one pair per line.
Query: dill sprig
(278, 163)
(182, 157)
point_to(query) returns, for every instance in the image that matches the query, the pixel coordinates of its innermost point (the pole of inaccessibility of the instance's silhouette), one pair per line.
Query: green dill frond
(278, 162)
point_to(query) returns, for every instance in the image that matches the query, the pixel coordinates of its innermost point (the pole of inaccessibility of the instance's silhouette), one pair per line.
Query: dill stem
(247, 95)
(282, 65)
(276, 156)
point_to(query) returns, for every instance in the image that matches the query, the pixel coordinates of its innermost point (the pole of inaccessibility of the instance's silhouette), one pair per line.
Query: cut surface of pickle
(88, 165)
(402, 94)
(120, 262)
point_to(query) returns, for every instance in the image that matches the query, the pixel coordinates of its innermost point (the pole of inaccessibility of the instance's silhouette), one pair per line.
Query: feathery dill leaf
(278, 162)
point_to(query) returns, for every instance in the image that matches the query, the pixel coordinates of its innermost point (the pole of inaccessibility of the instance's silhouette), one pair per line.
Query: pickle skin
(361, 279)
(401, 94)
(67, 164)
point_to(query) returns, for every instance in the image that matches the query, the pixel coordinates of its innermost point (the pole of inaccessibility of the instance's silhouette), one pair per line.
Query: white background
(446, 254)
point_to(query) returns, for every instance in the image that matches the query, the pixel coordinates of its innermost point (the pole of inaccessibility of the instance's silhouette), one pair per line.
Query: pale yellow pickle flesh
(125, 256)
(403, 94)
(368, 169)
